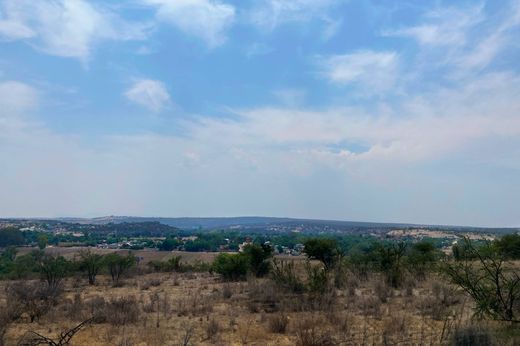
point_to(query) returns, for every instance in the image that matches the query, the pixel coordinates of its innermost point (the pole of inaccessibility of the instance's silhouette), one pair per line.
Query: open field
(201, 309)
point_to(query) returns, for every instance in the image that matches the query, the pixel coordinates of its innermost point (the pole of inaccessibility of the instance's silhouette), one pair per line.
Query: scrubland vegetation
(387, 293)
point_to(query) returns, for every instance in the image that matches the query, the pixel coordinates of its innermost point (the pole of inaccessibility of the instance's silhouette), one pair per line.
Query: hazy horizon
(394, 112)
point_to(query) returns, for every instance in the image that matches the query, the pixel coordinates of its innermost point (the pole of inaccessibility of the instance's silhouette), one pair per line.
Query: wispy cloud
(269, 14)
(466, 38)
(443, 26)
(67, 28)
(17, 98)
(151, 94)
(369, 69)
(208, 20)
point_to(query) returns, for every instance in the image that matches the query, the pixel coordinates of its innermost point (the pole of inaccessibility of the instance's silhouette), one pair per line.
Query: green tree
(53, 269)
(118, 265)
(258, 256)
(91, 263)
(324, 250)
(9, 253)
(421, 257)
(11, 236)
(169, 244)
(492, 282)
(43, 240)
(509, 246)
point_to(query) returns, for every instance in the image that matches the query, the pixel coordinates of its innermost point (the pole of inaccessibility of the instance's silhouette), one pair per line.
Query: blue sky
(396, 111)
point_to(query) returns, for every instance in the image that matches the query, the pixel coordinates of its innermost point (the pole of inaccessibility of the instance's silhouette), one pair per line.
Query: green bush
(324, 250)
(258, 256)
(231, 266)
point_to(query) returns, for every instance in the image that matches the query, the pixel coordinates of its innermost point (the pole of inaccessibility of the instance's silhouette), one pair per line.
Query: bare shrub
(153, 282)
(382, 291)
(370, 306)
(394, 329)
(194, 304)
(317, 279)
(212, 329)
(310, 333)
(96, 307)
(284, 275)
(227, 291)
(472, 336)
(278, 323)
(32, 298)
(263, 295)
(32, 338)
(122, 311)
(352, 282)
(188, 331)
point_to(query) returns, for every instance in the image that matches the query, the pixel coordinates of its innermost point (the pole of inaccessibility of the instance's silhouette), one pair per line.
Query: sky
(390, 111)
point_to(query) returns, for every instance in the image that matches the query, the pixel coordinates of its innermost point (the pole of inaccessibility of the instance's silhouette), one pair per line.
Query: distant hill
(252, 222)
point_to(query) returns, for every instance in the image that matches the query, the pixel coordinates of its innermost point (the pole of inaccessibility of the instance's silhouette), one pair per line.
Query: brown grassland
(201, 309)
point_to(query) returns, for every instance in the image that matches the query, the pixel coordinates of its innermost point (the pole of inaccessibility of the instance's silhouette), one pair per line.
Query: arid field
(199, 308)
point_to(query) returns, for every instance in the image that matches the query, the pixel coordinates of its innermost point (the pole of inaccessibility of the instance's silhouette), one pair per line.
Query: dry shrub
(311, 333)
(263, 295)
(278, 323)
(187, 333)
(351, 284)
(227, 291)
(445, 295)
(284, 274)
(472, 336)
(74, 309)
(370, 306)
(96, 307)
(394, 330)
(32, 298)
(212, 329)
(155, 282)
(382, 291)
(194, 304)
(122, 311)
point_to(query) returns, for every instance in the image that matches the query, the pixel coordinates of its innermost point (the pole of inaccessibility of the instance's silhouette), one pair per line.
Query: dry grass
(199, 309)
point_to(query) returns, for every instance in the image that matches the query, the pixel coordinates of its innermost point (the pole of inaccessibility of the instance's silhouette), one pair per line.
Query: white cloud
(443, 27)
(67, 28)
(208, 20)
(465, 38)
(280, 160)
(374, 70)
(269, 14)
(16, 98)
(150, 94)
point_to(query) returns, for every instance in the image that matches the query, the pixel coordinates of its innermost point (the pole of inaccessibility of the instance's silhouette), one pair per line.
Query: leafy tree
(421, 257)
(231, 266)
(11, 236)
(53, 269)
(43, 240)
(9, 253)
(493, 283)
(25, 264)
(117, 265)
(259, 258)
(91, 263)
(169, 244)
(509, 246)
(324, 250)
